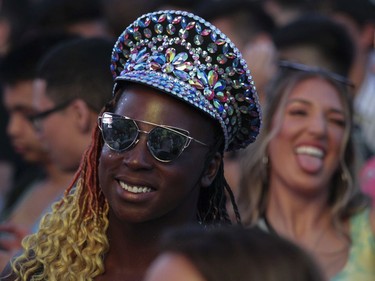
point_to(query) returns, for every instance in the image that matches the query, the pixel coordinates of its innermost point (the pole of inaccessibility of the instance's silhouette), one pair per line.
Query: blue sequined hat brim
(187, 57)
(176, 88)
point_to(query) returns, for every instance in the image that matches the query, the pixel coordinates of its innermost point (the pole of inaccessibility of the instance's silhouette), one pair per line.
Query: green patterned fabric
(361, 263)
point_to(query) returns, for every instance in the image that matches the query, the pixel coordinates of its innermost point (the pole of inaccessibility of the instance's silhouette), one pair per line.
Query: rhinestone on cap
(185, 56)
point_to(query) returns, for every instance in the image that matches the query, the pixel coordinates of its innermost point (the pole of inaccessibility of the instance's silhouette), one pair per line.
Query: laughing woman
(299, 176)
(182, 96)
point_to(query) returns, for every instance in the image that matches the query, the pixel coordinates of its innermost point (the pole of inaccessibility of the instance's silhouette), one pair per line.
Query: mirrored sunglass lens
(165, 144)
(119, 133)
(37, 124)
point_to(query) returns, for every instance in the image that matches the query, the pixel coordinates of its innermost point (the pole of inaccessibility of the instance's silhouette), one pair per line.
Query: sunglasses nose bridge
(143, 137)
(139, 134)
(138, 155)
(143, 132)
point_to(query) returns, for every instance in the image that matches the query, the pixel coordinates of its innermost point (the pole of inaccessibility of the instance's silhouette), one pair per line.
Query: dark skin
(136, 220)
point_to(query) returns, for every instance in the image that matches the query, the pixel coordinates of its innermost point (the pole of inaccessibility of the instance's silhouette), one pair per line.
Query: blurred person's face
(172, 267)
(18, 101)
(57, 128)
(305, 152)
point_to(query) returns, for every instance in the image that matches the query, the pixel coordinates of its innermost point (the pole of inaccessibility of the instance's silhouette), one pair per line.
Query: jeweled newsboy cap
(185, 56)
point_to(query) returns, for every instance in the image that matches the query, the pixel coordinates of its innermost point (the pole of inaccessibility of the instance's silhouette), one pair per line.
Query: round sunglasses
(165, 143)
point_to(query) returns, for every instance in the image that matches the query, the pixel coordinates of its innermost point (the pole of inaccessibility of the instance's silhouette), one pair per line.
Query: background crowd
(310, 175)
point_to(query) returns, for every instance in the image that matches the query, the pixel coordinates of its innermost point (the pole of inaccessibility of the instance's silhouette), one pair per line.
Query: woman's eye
(297, 112)
(339, 122)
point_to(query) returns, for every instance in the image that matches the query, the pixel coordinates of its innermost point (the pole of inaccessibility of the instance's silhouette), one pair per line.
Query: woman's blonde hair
(71, 240)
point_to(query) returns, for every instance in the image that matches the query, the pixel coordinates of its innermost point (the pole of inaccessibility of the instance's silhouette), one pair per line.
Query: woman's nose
(318, 125)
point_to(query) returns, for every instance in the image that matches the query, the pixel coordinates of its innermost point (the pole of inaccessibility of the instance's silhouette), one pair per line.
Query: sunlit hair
(344, 197)
(71, 241)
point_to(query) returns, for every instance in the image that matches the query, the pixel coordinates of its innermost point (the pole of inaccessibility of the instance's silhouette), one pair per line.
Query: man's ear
(211, 170)
(83, 114)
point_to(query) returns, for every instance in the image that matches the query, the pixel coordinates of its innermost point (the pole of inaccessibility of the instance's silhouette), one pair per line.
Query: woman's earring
(344, 175)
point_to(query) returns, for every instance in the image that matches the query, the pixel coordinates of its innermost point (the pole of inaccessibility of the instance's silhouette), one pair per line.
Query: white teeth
(310, 150)
(135, 189)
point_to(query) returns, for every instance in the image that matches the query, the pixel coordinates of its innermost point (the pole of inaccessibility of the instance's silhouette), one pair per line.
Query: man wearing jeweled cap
(182, 96)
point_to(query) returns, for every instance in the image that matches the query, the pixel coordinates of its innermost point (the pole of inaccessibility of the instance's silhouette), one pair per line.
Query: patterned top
(361, 262)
